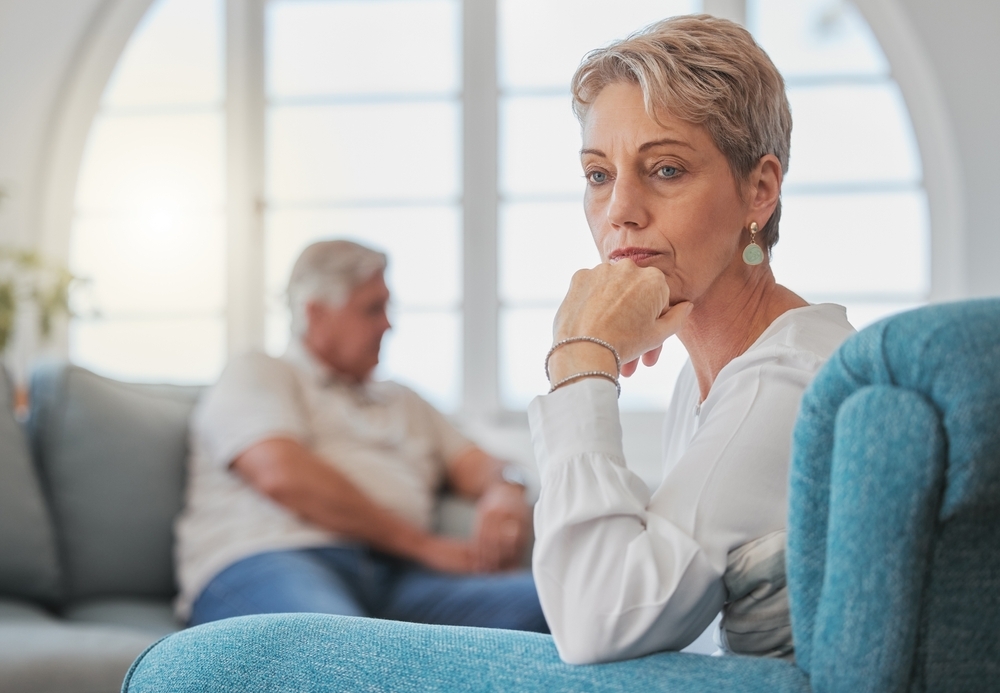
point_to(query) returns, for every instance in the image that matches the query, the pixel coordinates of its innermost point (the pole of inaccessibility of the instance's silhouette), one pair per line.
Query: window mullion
(244, 175)
(479, 215)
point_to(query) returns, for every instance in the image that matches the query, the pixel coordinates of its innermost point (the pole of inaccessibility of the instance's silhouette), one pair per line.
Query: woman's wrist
(580, 357)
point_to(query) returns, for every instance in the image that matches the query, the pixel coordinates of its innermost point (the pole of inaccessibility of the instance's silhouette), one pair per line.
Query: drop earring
(752, 254)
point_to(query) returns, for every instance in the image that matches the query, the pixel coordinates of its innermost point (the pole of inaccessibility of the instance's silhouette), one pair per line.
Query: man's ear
(314, 311)
(765, 188)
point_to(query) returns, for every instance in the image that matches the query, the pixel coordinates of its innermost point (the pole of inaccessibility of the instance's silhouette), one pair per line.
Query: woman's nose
(627, 207)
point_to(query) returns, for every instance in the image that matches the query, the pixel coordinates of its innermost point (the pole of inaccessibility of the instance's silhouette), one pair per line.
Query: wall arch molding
(95, 61)
(912, 69)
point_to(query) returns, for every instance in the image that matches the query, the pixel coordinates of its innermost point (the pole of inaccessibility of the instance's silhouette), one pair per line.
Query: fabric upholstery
(895, 506)
(112, 456)
(324, 654)
(28, 564)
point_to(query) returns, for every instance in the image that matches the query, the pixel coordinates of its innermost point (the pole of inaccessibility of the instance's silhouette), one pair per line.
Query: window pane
(153, 166)
(181, 350)
(423, 245)
(539, 147)
(403, 151)
(149, 265)
(148, 232)
(851, 134)
(525, 338)
(864, 313)
(423, 351)
(541, 246)
(541, 43)
(653, 388)
(836, 245)
(362, 47)
(173, 58)
(807, 38)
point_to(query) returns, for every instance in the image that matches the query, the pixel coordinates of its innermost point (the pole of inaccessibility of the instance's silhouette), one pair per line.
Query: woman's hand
(623, 304)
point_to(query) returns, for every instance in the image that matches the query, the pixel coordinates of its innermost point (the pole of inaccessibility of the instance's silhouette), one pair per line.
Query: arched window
(454, 149)
(149, 216)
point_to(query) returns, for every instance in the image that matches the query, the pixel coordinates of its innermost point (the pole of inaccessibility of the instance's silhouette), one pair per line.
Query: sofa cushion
(20, 611)
(112, 456)
(28, 563)
(155, 616)
(45, 655)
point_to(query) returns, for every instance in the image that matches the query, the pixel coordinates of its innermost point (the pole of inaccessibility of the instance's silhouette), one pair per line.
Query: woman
(685, 142)
(686, 133)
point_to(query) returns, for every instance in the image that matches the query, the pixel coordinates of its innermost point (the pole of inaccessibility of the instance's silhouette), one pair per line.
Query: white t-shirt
(622, 572)
(387, 440)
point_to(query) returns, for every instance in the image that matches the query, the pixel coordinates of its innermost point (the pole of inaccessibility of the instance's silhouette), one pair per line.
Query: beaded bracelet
(594, 340)
(588, 374)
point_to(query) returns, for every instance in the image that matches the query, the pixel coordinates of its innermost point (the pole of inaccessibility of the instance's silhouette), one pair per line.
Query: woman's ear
(765, 188)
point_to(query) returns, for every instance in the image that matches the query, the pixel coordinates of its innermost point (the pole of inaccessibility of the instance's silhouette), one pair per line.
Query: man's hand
(446, 555)
(502, 527)
(294, 476)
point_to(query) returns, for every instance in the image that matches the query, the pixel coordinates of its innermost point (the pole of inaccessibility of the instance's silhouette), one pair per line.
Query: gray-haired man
(311, 486)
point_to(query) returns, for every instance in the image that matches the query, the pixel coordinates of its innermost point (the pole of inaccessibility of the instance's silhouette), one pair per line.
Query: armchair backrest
(894, 507)
(112, 458)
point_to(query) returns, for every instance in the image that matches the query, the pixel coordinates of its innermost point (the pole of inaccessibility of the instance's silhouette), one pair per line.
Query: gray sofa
(88, 494)
(89, 489)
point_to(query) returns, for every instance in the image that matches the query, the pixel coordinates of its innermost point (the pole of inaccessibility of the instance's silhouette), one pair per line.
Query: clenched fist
(622, 304)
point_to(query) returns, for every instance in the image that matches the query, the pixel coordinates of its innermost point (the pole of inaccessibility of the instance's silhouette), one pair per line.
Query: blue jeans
(358, 581)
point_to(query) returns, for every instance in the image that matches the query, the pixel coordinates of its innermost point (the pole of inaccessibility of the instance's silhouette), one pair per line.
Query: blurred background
(176, 155)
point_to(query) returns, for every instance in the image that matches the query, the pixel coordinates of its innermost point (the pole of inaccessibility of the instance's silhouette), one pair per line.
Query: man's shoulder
(254, 365)
(397, 391)
(253, 387)
(251, 374)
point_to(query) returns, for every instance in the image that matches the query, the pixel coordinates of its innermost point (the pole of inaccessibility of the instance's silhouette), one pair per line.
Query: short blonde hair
(329, 271)
(707, 71)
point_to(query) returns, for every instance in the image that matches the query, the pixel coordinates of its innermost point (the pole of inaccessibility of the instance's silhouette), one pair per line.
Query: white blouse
(622, 572)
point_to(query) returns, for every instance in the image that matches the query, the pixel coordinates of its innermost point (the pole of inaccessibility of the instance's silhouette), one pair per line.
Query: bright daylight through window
(364, 121)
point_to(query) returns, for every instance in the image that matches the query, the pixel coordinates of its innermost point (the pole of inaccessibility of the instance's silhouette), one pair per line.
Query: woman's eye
(667, 171)
(597, 176)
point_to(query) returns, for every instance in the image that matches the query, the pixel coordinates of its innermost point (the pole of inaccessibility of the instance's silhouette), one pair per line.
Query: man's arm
(503, 519)
(297, 478)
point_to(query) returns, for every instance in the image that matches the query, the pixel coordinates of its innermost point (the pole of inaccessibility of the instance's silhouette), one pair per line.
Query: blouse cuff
(576, 419)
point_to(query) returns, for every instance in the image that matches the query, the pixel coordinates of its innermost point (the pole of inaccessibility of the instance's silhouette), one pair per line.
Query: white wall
(961, 40)
(39, 40)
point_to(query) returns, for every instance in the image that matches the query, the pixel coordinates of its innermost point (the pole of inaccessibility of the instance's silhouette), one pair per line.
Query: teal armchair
(893, 557)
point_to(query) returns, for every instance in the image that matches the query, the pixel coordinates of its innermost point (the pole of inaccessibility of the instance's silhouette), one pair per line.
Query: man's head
(338, 298)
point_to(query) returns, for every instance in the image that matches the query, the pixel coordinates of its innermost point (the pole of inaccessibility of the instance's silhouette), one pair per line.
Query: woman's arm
(615, 581)
(622, 572)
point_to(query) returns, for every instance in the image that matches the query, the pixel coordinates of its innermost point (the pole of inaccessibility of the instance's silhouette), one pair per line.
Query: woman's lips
(639, 256)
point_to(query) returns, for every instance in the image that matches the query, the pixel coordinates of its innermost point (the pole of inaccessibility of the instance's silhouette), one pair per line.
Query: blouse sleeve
(622, 572)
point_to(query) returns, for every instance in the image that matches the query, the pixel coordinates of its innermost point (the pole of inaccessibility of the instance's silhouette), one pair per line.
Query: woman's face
(661, 195)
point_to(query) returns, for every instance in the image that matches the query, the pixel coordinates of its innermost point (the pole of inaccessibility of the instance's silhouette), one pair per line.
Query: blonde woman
(686, 132)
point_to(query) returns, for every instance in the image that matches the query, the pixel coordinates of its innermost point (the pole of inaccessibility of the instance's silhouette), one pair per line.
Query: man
(312, 487)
